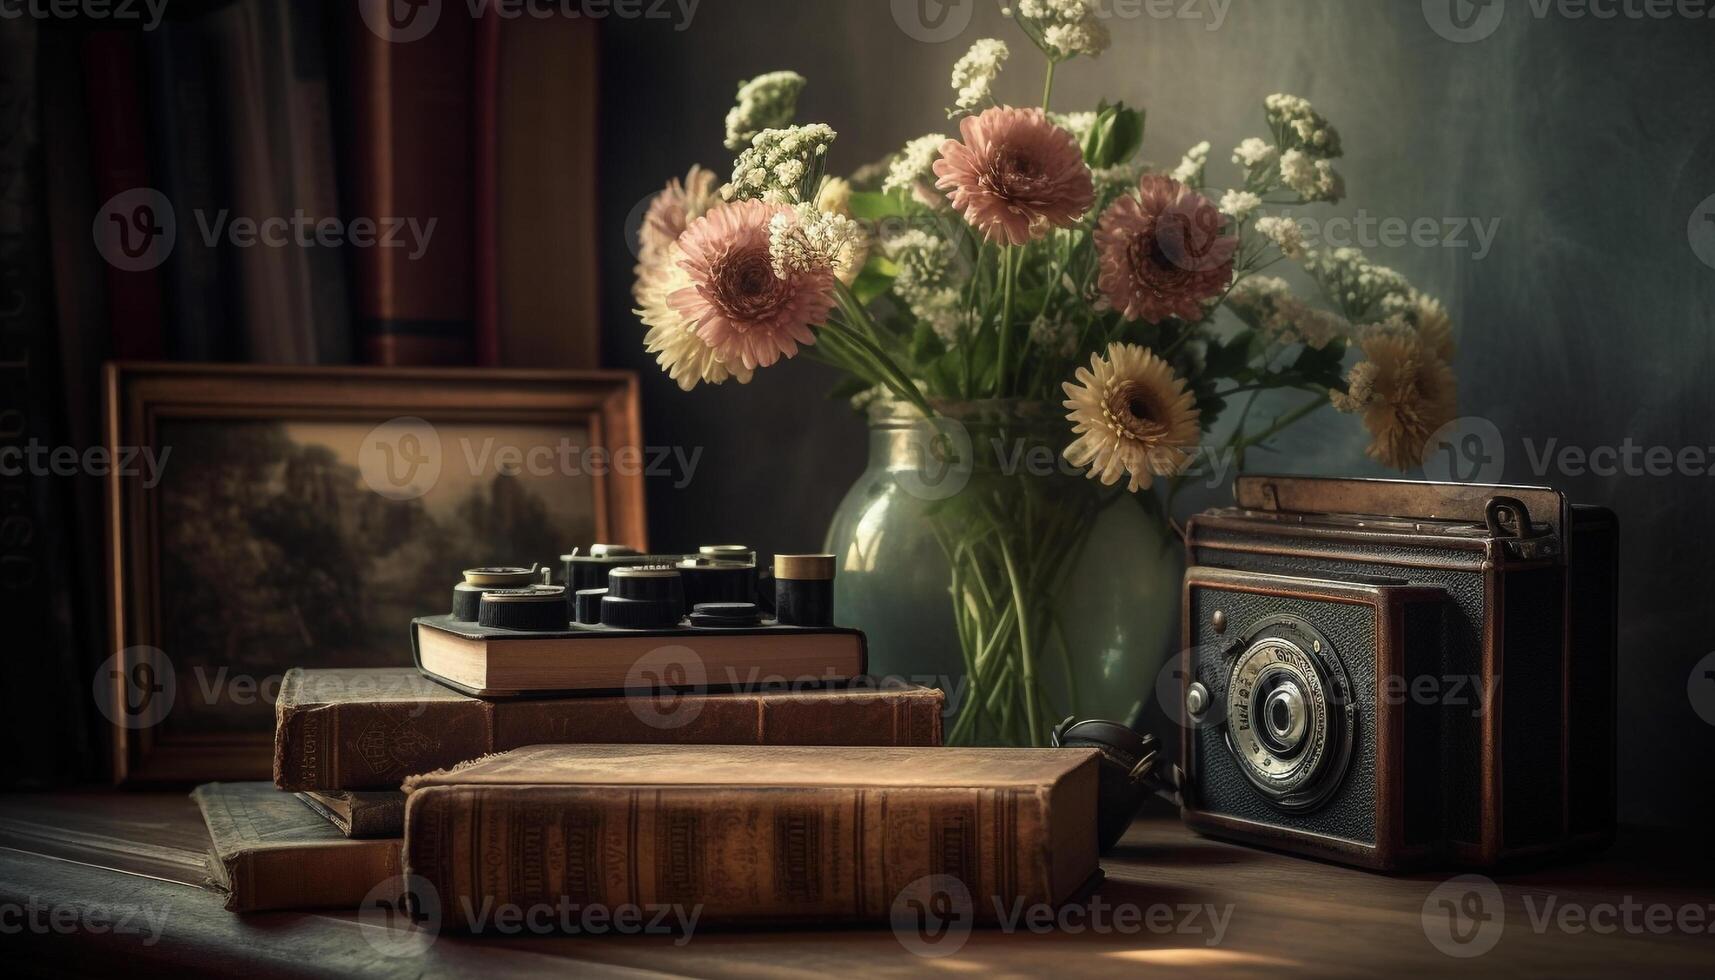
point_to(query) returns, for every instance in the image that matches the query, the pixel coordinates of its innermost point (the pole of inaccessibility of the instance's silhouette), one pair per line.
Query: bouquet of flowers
(1034, 258)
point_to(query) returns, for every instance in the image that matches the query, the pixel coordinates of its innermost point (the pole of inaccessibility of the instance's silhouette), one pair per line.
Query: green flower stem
(1280, 424)
(890, 374)
(1048, 86)
(1003, 364)
(861, 323)
(840, 349)
(967, 638)
(1026, 654)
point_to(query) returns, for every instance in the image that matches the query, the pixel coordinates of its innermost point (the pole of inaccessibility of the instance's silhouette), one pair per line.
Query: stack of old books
(330, 826)
(752, 802)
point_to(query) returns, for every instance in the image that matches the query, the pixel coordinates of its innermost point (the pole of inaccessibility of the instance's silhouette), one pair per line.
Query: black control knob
(726, 615)
(643, 597)
(540, 609)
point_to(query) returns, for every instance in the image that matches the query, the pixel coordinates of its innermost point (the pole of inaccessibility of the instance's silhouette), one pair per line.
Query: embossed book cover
(755, 833)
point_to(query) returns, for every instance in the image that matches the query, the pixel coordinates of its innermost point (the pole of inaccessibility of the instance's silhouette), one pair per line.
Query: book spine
(726, 854)
(113, 86)
(308, 877)
(375, 818)
(411, 160)
(899, 718)
(184, 151)
(313, 188)
(373, 745)
(486, 172)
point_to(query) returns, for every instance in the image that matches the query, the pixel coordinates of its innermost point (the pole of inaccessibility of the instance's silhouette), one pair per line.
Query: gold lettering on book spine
(580, 861)
(798, 854)
(679, 855)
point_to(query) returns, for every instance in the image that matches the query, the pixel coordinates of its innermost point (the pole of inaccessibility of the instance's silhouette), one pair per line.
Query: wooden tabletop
(94, 882)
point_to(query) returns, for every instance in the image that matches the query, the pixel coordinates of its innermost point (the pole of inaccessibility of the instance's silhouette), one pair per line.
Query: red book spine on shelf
(127, 217)
(412, 160)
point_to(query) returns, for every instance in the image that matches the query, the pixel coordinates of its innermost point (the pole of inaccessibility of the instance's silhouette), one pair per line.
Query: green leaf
(925, 344)
(876, 278)
(874, 205)
(1115, 137)
(1226, 360)
(848, 388)
(1319, 365)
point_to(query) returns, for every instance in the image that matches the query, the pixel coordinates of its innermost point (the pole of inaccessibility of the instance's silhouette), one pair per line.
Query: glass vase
(977, 560)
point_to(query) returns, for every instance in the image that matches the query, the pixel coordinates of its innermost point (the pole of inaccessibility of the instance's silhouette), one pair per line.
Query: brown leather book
(743, 834)
(270, 851)
(361, 813)
(510, 663)
(359, 729)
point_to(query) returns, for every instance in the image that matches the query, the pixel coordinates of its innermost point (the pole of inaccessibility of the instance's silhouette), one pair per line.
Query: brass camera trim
(1323, 673)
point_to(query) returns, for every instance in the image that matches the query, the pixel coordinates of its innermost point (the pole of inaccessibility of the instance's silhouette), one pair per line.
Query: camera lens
(1284, 715)
(1289, 713)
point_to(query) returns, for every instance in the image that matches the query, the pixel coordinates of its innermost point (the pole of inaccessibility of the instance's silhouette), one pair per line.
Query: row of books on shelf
(273, 181)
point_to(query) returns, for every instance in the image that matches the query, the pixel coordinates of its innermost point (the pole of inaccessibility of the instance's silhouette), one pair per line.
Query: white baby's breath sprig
(927, 282)
(765, 102)
(805, 240)
(782, 166)
(1268, 304)
(1311, 178)
(1254, 153)
(975, 73)
(1283, 232)
(1190, 169)
(911, 167)
(1239, 204)
(1063, 28)
(1350, 279)
(1298, 126)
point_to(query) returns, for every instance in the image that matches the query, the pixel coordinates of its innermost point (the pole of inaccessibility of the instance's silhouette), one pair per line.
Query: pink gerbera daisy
(735, 302)
(1162, 252)
(1015, 175)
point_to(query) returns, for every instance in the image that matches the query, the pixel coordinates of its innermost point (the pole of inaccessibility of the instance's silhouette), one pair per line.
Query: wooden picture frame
(252, 433)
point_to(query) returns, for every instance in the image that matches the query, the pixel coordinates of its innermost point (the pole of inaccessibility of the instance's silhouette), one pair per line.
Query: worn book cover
(756, 834)
(361, 813)
(270, 851)
(362, 729)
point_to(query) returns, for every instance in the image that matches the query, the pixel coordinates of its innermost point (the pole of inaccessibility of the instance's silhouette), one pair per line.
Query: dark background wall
(1588, 321)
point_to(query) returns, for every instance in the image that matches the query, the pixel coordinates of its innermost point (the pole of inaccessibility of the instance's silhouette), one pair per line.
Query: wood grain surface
(94, 857)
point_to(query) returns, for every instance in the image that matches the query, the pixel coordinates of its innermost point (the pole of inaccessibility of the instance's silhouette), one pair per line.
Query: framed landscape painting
(300, 517)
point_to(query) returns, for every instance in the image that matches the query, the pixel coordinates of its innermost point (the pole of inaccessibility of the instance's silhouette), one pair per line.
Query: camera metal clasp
(1524, 539)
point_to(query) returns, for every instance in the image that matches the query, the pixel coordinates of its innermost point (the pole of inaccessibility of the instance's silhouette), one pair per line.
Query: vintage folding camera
(1390, 674)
